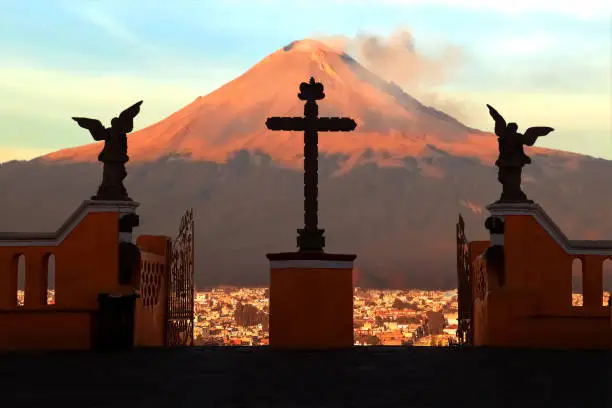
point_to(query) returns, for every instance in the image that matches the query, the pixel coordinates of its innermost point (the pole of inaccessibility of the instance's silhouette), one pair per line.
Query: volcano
(390, 122)
(390, 191)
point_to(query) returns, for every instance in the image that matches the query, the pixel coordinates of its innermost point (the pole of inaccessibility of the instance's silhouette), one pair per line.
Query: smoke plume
(396, 58)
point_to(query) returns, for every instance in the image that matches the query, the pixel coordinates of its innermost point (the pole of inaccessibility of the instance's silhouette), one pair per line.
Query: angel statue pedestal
(114, 154)
(112, 188)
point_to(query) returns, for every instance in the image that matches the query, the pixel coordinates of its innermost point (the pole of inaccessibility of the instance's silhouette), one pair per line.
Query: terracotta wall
(536, 263)
(534, 307)
(311, 308)
(85, 265)
(45, 330)
(152, 306)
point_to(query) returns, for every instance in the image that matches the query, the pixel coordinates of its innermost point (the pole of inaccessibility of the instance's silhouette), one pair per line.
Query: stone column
(494, 255)
(35, 279)
(8, 280)
(129, 254)
(114, 326)
(311, 300)
(592, 283)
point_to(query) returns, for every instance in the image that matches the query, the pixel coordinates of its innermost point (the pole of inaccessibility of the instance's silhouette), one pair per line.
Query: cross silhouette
(310, 238)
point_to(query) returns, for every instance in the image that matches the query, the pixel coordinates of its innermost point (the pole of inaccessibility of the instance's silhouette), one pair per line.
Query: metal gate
(179, 325)
(464, 285)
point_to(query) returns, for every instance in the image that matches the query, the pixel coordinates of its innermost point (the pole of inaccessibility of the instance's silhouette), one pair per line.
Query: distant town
(230, 316)
(239, 316)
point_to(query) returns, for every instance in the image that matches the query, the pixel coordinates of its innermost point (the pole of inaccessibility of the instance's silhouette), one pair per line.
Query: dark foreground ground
(260, 377)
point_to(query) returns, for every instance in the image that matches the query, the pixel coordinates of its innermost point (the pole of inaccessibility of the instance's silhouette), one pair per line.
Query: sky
(539, 62)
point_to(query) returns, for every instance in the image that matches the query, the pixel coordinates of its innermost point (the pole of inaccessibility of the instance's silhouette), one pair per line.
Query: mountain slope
(389, 192)
(390, 122)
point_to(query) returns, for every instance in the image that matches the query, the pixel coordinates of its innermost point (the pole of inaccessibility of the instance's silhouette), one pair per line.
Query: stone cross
(310, 238)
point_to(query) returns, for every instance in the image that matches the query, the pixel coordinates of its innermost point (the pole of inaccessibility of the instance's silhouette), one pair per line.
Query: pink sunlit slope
(390, 123)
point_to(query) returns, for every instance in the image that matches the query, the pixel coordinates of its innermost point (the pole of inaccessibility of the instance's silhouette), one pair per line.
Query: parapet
(579, 247)
(78, 215)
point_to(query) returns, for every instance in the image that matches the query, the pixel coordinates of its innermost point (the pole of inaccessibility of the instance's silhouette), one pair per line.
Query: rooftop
(261, 377)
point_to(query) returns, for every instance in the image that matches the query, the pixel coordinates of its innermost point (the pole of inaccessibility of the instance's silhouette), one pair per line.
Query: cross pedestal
(311, 292)
(311, 300)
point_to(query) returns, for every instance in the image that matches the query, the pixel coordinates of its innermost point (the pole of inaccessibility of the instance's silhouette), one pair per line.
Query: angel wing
(532, 134)
(500, 122)
(95, 127)
(126, 118)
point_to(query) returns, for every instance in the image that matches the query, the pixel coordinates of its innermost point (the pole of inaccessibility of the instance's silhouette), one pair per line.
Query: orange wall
(536, 263)
(150, 320)
(43, 330)
(311, 308)
(534, 307)
(86, 264)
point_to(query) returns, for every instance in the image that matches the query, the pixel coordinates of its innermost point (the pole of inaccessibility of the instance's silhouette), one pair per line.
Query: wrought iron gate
(179, 325)
(464, 285)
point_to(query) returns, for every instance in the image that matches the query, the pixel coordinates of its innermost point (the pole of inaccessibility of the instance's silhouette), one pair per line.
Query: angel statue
(114, 154)
(512, 157)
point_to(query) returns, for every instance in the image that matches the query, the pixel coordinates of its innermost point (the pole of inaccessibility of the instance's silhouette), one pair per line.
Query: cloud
(584, 9)
(141, 49)
(581, 121)
(521, 44)
(37, 103)
(567, 71)
(512, 65)
(570, 95)
(397, 59)
(20, 153)
(92, 13)
(48, 92)
(563, 111)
